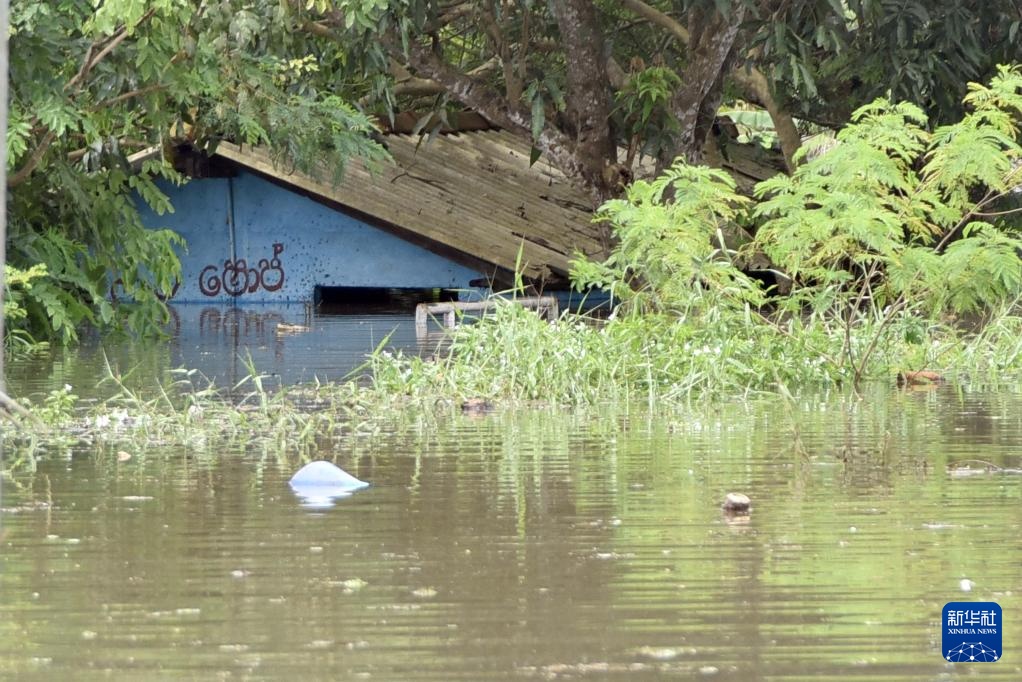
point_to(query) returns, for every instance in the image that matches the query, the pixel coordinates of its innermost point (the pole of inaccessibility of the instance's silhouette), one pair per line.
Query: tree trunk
(588, 95)
(753, 80)
(713, 44)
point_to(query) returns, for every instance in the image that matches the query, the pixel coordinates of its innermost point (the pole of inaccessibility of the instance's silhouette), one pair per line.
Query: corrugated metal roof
(473, 193)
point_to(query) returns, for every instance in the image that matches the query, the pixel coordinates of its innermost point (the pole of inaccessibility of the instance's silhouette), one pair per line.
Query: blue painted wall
(250, 241)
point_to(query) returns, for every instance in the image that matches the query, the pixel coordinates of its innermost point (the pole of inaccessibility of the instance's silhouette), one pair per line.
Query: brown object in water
(923, 376)
(474, 406)
(736, 503)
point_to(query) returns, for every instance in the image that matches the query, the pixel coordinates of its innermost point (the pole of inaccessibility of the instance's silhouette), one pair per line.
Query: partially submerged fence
(449, 313)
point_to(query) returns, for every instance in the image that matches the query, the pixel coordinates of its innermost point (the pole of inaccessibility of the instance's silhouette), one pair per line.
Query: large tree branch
(321, 30)
(407, 84)
(23, 173)
(694, 104)
(93, 56)
(123, 143)
(588, 91)
(91, 61)
(754, 83)
(155, 87)
(10, 406)
(502, 48)
(655, 16)
(521, 59)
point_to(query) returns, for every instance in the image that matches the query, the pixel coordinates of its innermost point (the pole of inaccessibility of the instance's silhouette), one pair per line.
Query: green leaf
(538, 117)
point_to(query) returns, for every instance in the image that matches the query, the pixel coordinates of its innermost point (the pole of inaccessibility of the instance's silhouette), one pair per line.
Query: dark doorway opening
(376, 300)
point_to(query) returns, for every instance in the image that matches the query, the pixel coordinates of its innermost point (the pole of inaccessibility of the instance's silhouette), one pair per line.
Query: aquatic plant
(190, 412)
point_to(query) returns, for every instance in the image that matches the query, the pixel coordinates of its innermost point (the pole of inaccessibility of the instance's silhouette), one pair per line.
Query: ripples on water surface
(531, 545)
(219, 342)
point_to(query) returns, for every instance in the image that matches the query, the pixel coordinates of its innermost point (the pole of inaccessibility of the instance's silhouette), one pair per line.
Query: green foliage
(643, 107)
(892, 214)
(822, 58)
(833, 56)
(671, 254)
(93, 84)
(18, 285)
(17, 291)
(58, 407)
(143, 413)
(655, 358)
(887, 223)
(540, 94)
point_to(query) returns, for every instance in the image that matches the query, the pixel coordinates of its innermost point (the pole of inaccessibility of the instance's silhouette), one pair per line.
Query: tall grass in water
(662, 361)
(991, 355)
(672, 360)
(193, 416)
(514, 355)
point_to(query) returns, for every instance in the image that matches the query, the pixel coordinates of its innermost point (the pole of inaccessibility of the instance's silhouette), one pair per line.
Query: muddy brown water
(534, 545)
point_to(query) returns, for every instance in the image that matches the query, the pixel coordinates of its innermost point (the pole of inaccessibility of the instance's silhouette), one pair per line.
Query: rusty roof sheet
(472, 193)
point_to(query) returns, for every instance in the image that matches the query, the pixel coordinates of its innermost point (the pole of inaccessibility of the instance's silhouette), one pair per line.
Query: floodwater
(289, 344)
(535, 545)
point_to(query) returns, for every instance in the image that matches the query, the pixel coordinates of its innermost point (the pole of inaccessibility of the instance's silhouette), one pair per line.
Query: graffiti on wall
(237, 278)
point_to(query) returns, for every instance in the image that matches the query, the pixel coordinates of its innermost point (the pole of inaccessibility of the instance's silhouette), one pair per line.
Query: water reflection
(531, 546)
(288, 344)
(318, 498)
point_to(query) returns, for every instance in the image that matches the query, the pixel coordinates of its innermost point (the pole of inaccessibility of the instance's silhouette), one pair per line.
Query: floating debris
(966, 585)
(320, 483)
(923, 377)
(606, 556)
(123, 456)
(235, 648)
(476, 406)
(285, 329)
(35, 505)
(977, 467)
(325, 474)
(662, 653)
(351, 585)
(736, 503)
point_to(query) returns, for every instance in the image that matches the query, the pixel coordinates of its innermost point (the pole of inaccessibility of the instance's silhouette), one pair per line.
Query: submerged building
(458, 212)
